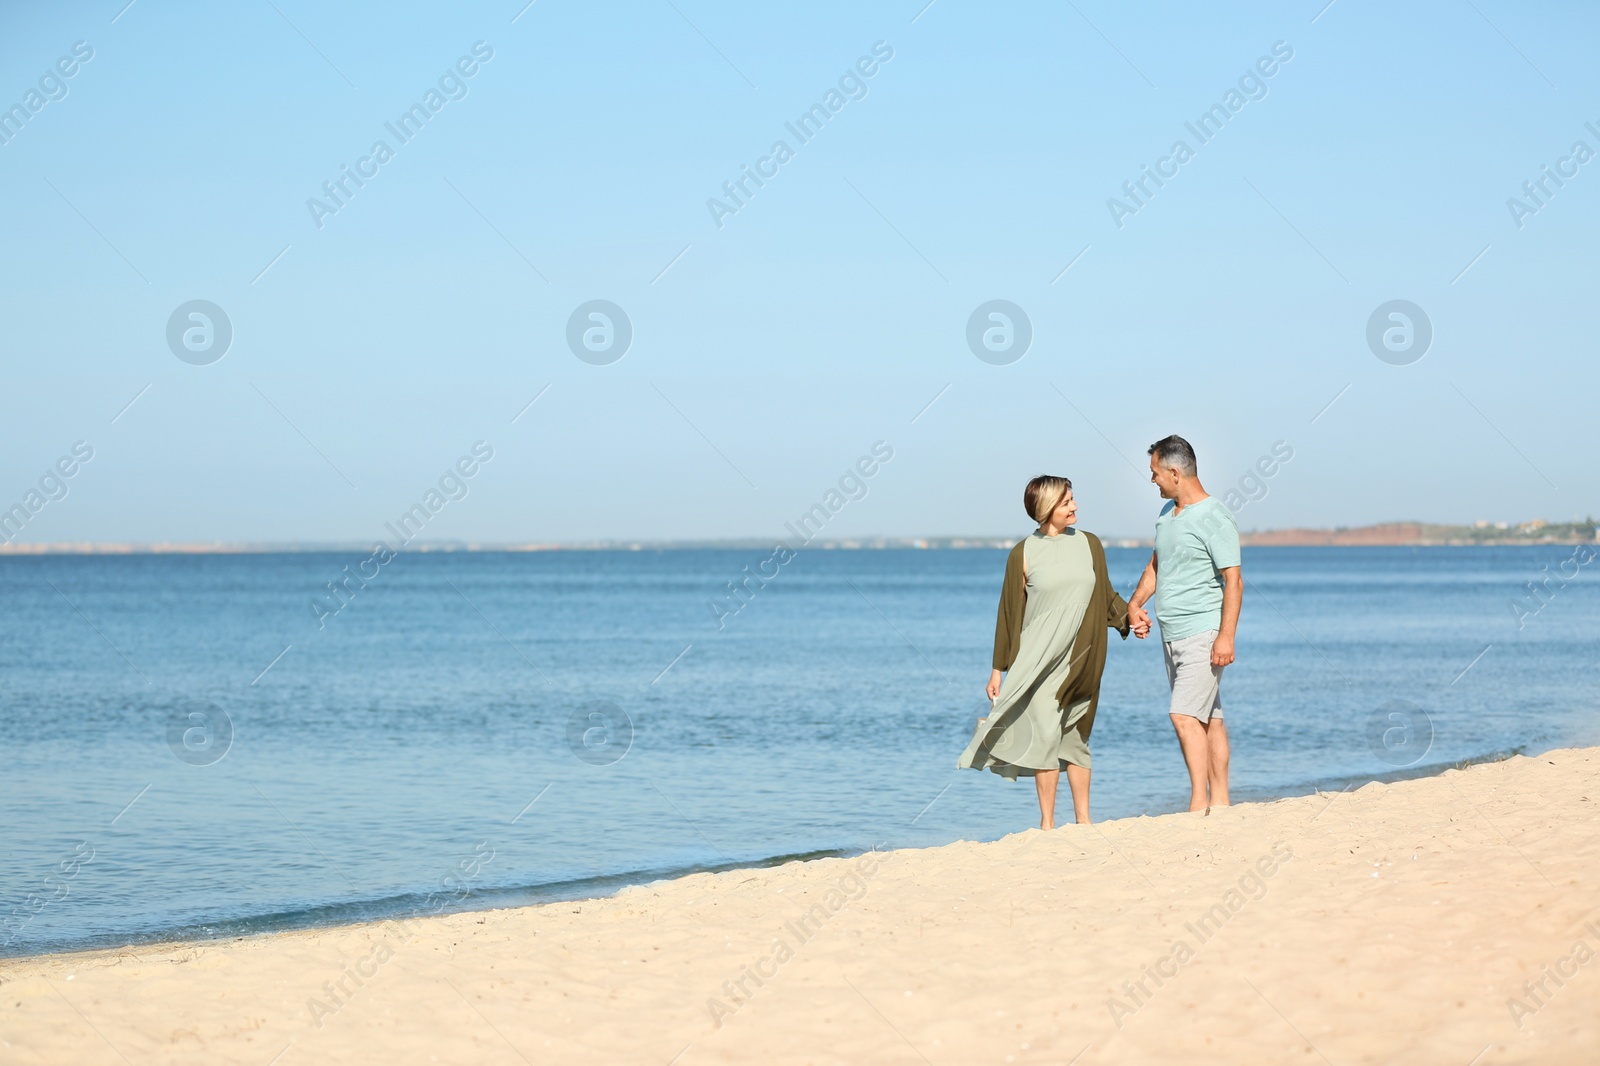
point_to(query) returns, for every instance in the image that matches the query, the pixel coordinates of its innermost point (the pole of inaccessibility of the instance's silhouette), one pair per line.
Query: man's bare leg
(1078, 781)
(1217, 749)
(1192, 739)
(1046, 781)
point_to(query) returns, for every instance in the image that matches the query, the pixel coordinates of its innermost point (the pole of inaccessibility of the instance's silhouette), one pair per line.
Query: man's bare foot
(1047, 825)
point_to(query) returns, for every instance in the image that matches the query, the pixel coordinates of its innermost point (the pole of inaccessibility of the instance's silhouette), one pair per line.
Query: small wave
(404, 905)
(1341, 783)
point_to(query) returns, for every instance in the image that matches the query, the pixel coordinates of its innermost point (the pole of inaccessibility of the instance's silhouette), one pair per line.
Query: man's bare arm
(1232, 598)
(1138, 617)
(1147, 584)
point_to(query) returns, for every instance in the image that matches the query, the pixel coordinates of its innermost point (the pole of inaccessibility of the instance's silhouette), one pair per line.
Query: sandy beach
(1449, 919)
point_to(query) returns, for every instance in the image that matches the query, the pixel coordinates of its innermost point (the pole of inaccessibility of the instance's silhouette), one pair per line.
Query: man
(1197, 559)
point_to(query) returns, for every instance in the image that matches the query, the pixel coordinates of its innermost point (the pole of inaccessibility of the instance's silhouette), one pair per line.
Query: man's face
(1165, 481)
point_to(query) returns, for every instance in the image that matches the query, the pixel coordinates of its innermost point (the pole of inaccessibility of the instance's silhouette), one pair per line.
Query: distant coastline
(1406, 534)
(1386, 534)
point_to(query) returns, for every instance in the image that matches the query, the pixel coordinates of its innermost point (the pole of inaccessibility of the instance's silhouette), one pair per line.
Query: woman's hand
(993, 688)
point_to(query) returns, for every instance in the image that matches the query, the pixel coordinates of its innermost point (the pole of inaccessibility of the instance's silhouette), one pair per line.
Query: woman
(1050, 640)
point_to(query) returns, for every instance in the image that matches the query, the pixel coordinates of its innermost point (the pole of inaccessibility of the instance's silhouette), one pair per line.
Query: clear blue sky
(833, 306)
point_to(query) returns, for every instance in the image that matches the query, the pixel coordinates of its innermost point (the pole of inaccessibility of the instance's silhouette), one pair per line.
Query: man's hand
(1139, 619)
(1222, 651)
(993, 688)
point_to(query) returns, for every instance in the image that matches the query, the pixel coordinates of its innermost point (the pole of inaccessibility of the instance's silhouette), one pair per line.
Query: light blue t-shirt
(1193, 547)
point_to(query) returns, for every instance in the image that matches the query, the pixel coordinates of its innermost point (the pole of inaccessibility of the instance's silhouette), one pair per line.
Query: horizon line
(1417, 533)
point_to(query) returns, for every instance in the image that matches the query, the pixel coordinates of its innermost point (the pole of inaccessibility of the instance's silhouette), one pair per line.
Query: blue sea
(191, 751)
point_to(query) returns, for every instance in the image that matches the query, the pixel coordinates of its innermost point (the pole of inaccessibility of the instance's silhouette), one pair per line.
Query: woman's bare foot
(1047, 825)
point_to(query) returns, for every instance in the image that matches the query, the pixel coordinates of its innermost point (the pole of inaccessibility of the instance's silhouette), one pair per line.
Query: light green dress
(1027, 730)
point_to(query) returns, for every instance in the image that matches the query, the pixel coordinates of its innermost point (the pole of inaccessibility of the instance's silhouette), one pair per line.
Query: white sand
(1391, 923)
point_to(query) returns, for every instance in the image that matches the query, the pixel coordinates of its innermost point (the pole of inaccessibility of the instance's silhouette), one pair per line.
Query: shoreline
(581, 890)
(1453, 915)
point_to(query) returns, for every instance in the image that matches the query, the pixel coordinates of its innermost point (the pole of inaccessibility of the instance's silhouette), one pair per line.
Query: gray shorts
(1196, 684)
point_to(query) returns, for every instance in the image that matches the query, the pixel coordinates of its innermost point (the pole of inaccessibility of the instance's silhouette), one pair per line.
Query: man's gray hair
(1174, 453)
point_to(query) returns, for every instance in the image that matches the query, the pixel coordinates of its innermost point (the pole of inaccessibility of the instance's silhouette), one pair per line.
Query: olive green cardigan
(1106, 609)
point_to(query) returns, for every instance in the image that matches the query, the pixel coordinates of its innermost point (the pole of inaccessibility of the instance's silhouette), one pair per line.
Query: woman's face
(1066, 512)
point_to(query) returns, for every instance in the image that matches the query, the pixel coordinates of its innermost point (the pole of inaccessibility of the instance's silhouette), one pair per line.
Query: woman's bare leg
(1078, 781)
(1046, 781)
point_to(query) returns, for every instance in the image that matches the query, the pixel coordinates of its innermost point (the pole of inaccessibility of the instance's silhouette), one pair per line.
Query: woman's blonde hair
(1043, 495)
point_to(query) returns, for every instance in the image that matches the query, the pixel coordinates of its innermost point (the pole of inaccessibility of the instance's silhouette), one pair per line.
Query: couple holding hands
(1056, 605)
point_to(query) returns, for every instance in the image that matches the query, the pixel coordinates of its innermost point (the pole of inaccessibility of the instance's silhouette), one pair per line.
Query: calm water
(386, 763)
